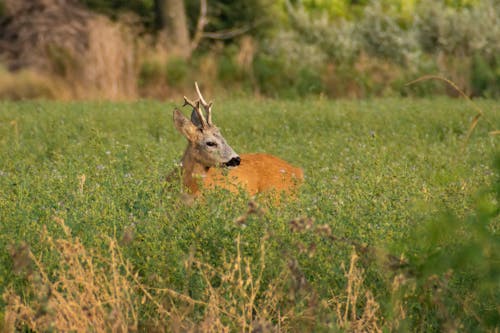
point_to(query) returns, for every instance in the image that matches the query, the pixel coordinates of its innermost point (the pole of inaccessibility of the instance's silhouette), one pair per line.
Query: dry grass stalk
(241, 284)
(348, 306)
(238, 302)
(89, 293)
(81, 183)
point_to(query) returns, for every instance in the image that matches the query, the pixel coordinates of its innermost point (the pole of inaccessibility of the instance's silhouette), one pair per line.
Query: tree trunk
(172, 21)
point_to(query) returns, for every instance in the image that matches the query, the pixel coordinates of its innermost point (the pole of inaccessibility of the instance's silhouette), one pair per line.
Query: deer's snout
(235, 161)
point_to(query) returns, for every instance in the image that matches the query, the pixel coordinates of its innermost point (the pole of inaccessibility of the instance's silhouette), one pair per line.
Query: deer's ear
(195, 119)
(185, 126)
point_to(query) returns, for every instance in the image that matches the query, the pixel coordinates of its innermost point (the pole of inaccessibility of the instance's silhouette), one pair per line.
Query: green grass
(377, 172)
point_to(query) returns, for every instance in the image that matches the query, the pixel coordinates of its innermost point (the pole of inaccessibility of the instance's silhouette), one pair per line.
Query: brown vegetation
(92, 56)
(88, 291)
(28, 83)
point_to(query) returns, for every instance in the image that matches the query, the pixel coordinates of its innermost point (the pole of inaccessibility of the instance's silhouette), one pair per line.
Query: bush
(338, 40)
(150, 72)
(449, 254)
(462, 33)
(229, 70)
(384, 49)
(382, 37)
(177, 71)
(485, 76)
(288, 66)
(341, 48)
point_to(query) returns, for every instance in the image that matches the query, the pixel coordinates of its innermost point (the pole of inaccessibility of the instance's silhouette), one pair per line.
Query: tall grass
(86, 291)
(395, 227)
(89, 291)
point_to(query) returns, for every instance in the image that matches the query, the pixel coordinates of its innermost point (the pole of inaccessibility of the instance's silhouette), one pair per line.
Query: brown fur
(257, 173)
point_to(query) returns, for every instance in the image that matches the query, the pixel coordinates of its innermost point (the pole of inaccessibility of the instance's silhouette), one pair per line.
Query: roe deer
(210, 162)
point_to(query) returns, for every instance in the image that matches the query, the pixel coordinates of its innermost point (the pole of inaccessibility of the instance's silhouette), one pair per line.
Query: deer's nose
(235, 161)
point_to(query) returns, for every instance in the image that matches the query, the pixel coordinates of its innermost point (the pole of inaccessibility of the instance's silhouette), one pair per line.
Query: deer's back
(257, 173)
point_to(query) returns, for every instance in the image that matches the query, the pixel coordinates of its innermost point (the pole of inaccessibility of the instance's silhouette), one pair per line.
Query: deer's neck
(193, 172)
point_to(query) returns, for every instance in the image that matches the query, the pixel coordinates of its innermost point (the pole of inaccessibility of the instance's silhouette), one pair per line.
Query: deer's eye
(211, 144)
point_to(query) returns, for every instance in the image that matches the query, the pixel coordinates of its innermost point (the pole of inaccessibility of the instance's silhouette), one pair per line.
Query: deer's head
(207, 146)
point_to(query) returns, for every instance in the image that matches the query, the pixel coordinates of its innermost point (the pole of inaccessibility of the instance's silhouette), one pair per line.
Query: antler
(196, 108)
(206, 106)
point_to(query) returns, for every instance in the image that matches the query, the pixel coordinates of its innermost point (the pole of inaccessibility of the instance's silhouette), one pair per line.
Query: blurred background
(129, 49)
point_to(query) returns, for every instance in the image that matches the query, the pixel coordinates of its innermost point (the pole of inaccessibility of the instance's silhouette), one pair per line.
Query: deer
(209, 162)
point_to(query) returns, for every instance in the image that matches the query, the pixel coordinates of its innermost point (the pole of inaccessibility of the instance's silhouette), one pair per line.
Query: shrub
(485, 76)
(287, 65)
(464, 41)
(176, 70)
(338, 40)
(229, 70)
(150, 72)
(448, 254)
(381, 36)
(462, 32)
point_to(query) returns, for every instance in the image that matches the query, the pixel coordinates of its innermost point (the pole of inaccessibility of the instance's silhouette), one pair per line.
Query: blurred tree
(172, 23)
(167, 17)
(182, 25)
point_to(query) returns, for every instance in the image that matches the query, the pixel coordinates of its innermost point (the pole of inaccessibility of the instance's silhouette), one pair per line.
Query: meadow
(396, 227)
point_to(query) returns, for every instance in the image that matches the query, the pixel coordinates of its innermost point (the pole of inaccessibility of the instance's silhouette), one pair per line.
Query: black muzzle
(235, 161)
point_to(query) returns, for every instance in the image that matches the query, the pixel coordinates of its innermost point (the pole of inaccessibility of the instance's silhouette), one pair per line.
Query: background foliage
(303, 39)
(287, 48)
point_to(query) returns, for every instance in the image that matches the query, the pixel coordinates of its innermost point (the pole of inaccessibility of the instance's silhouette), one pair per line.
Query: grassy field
(396, 227)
